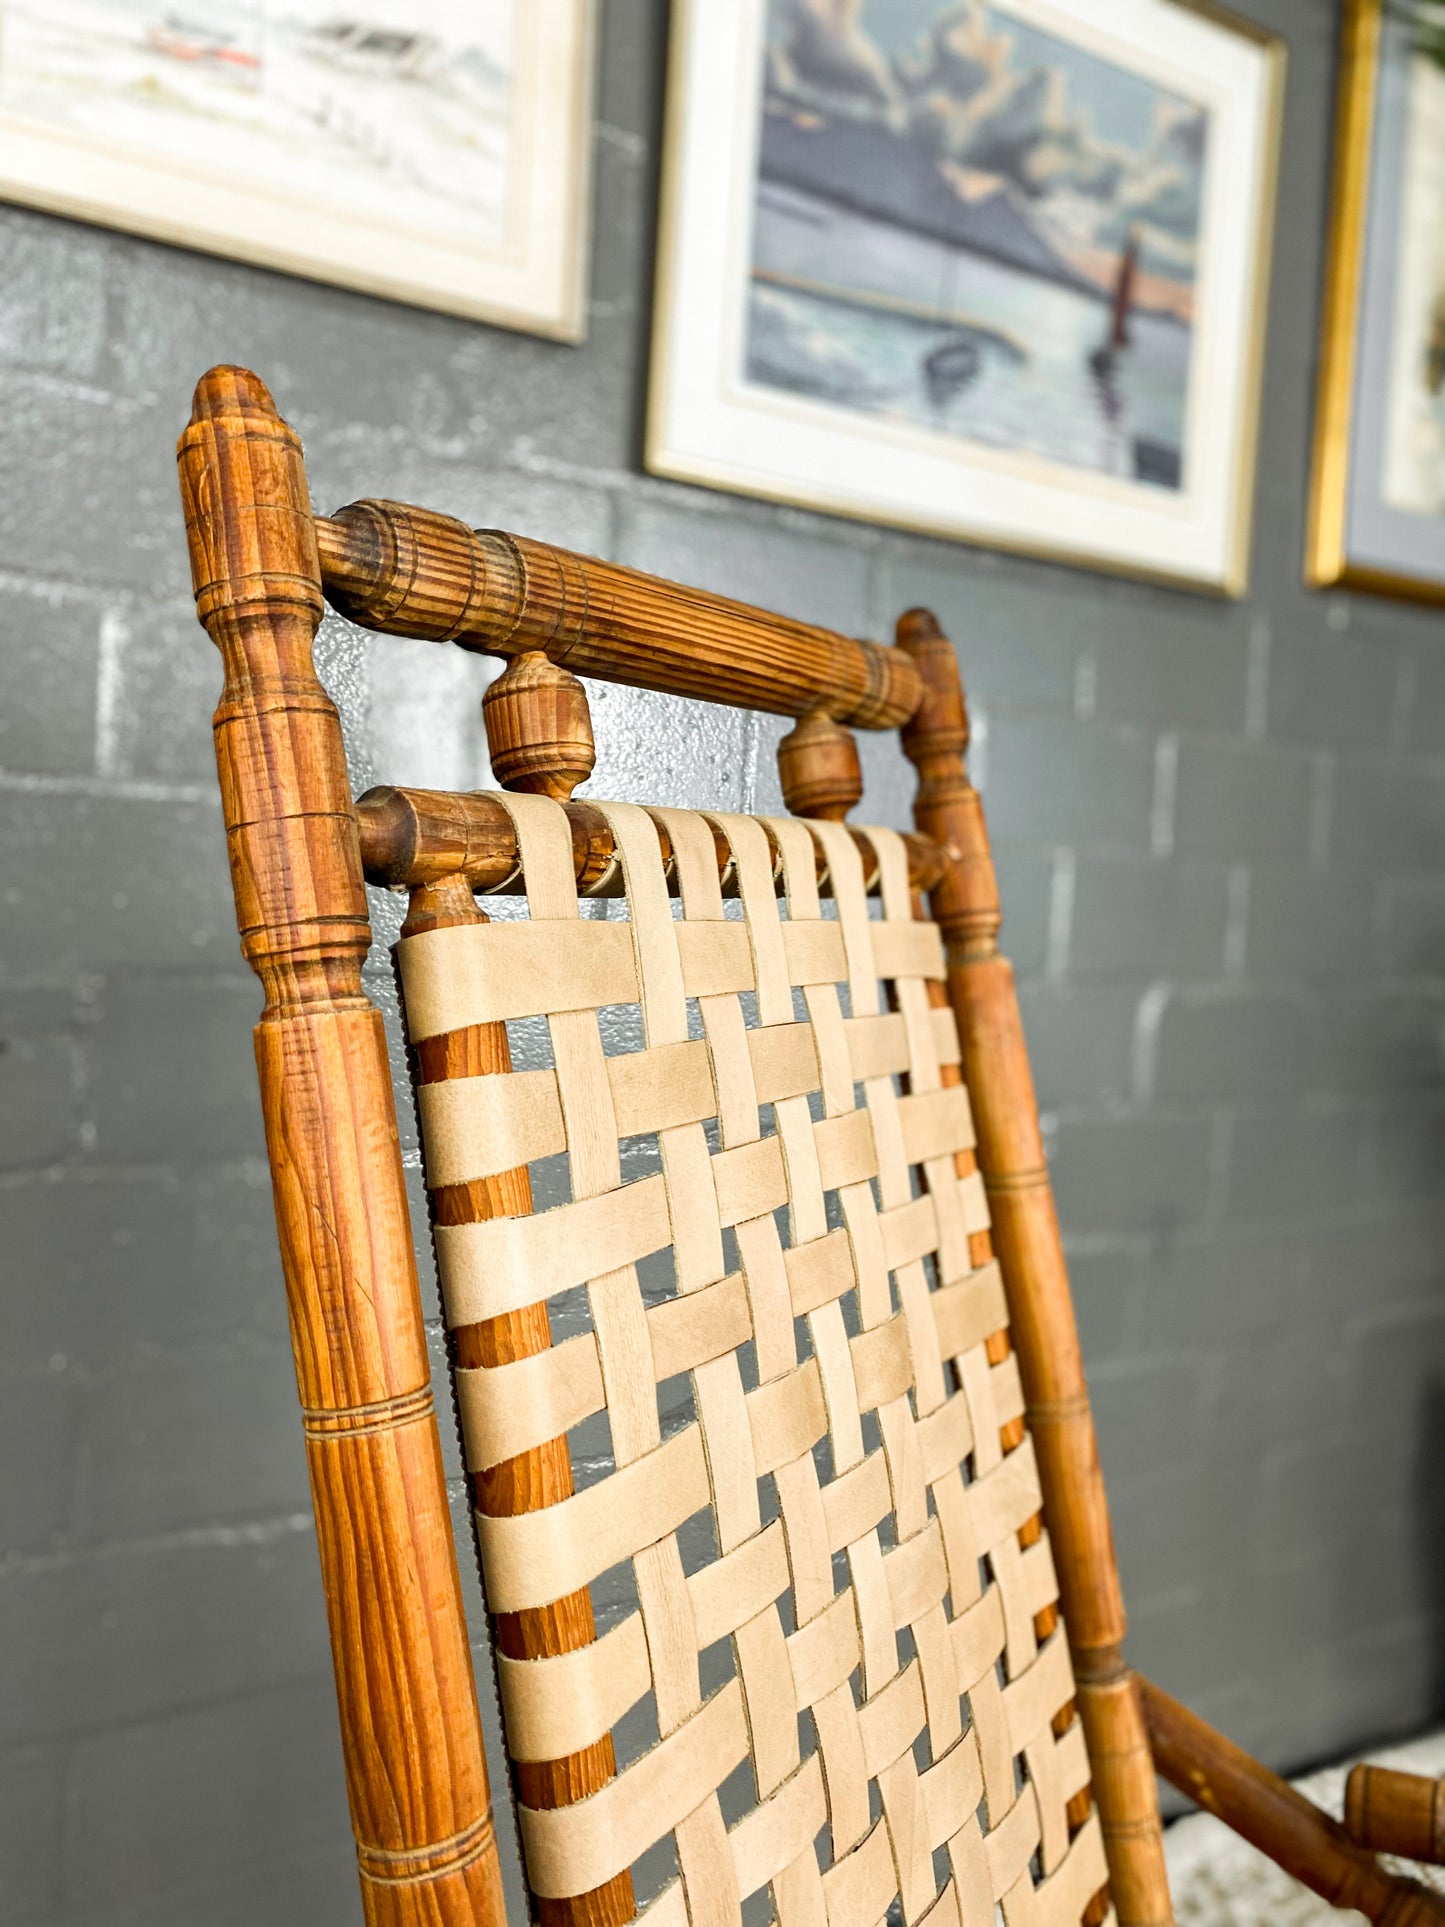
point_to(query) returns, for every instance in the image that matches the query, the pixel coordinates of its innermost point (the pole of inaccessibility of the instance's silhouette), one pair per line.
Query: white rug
(1221, 1881)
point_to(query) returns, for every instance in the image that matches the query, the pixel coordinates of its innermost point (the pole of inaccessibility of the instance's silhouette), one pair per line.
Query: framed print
(1378, 511)
(433, 151)
(993, 269)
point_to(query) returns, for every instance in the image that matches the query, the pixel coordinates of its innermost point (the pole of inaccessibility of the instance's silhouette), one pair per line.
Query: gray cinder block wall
(1221, 831)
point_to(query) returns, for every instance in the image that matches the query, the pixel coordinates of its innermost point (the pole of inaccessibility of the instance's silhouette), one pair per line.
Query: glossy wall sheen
(1221, 834)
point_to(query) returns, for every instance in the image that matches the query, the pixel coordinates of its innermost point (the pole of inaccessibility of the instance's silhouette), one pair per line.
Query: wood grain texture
(1010, 1149)
(818, 768)
(539, 728)
(414, 573)
(411, 1736)
(1399, 1813)
(1012, 1434)
(410, 1732)
(410, 837)
(1218, 1776)
(534, 1479)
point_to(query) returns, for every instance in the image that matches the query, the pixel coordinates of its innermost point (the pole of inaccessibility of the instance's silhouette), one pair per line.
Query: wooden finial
(295, 863)
(539, 728)
(818, 766)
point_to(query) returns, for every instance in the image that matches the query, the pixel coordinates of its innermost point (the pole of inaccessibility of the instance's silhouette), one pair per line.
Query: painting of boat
(967, 222)
(189, 39)
(409, 109)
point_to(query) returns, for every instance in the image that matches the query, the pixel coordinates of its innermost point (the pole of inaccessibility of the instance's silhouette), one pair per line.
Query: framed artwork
(993, 269)
(1378, 512)
(433, 151)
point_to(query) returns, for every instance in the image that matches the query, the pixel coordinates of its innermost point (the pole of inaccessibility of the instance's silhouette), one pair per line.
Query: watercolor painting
(970, 223)
(1377, 511)
(1414, 465)
(407, 108)
(431, 151)
(994, 270)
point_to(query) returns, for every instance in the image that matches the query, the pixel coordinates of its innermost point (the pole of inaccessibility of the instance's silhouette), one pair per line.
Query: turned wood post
(1010, 1146)
(411, 1735)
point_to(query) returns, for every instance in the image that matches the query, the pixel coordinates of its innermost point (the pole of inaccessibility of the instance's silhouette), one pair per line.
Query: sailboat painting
(981, 226)
(1023, 240)
(404, 145)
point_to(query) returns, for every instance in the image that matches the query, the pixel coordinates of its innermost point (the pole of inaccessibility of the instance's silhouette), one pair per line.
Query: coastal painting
(269, 127)
(409, 114)
(978, 225)
(1414, 466)
(1377, 518)
(983, 267)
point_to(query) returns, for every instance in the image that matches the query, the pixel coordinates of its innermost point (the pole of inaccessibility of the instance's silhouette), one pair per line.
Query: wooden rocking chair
(824, 1336)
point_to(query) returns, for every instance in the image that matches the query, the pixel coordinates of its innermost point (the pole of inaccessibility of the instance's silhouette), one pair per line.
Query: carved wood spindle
(965, 904)
(410, 1730)
(540, 737)
(539, 728)
(818, 768)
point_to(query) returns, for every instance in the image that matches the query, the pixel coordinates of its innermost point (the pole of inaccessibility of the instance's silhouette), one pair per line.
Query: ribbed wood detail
(411, 572)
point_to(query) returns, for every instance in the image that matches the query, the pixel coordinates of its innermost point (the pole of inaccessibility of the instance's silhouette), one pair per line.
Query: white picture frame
(436, 152)
(787, 435)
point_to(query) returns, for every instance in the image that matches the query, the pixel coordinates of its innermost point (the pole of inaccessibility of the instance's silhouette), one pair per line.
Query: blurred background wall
(1221, 831)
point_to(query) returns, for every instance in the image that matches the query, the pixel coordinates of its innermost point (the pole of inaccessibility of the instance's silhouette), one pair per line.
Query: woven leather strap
(791, 1148)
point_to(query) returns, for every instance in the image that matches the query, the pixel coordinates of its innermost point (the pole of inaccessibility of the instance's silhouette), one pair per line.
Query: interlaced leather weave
(844, 1438)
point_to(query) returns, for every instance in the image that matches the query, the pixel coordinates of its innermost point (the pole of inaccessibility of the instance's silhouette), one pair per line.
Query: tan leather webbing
(805, 1092)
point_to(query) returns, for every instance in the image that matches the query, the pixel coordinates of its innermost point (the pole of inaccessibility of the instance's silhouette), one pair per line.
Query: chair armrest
(1268, 1812)
(1399, 1813)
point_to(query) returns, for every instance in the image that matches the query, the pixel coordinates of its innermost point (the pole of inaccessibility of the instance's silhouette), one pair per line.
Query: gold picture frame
(438, 153)
(1340, 552)
(716, 107)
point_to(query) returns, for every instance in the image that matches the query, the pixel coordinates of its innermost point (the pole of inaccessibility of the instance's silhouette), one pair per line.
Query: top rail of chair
(410, 572)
